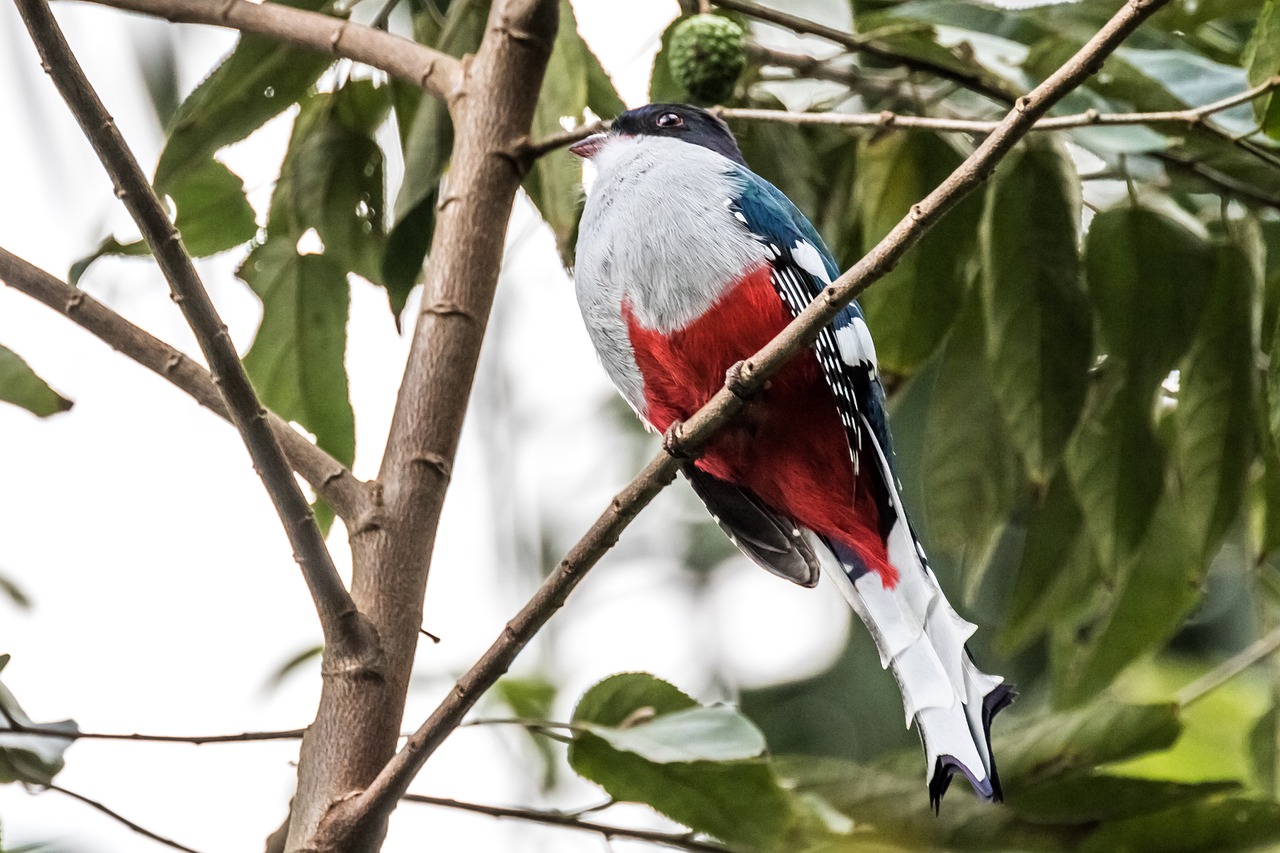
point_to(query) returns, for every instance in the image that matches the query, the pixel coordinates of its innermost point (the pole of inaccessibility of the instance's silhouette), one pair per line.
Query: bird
(687, 263)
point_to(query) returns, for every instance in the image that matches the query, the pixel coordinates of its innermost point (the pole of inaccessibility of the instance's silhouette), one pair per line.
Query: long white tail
(922, 638)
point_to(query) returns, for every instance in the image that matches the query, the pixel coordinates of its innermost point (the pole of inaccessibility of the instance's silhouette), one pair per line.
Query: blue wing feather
(780, 225)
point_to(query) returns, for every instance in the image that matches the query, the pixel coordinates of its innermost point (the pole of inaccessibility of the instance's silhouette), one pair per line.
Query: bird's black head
(683, 122)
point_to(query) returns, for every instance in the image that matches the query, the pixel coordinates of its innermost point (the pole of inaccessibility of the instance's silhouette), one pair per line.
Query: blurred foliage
(1082, 394)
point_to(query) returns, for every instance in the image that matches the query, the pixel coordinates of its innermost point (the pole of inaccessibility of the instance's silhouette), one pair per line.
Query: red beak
(589, 147)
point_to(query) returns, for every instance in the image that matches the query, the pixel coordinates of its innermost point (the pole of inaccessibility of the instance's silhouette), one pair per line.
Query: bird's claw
(673, 441)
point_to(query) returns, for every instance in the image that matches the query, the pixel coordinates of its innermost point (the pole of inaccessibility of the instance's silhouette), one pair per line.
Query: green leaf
(10, 589)
(1263, 738)
(573, 77)
(911, 309)
(1039, 329)
(296, 361)
(1148, 274)
(1212, 826)
(1102, 732)
(663, 88)
(738, 801)
(715, 733)
(332, 177)
(427, 141)
(1056, 568)
(292, 665)
(20, 386)
(531, 698)
(1117, 466)
(1214, 415)
(1141, 608)
(212, 214)
(1088, 797)
(1262, 60)
(27, 758)
(259, 79)
(972, 476)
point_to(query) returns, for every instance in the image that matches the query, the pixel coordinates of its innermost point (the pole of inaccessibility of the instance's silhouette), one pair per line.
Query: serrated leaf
(212, 214)
(1214, 414)
(31, 759)
(1213, 826)
(1039, 329)
(20, 386)
(1262, 60)
(427, 142)
(259, 79)
(1148, 275)
(910, 310)
(574, 75)
(738, 801)
(297, 358)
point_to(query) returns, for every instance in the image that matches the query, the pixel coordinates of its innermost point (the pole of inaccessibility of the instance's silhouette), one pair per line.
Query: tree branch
(870, 47)
(745, 380)
(355, 731)
(330, 478)
(116, 816)
(679, 841)
(1258, 650)
(1090, 118)
(434, 71)
(351, 645)
(197, 740)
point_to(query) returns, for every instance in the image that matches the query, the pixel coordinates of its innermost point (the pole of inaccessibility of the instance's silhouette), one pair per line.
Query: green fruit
(707, 54)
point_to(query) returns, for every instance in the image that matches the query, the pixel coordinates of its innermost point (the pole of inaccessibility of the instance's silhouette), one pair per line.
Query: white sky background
(164, 590)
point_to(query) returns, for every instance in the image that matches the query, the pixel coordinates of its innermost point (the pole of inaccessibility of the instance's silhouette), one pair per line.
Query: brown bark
(355, 731)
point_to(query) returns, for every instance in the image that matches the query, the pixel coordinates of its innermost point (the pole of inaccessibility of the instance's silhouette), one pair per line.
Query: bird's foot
(737, 380)
(673, 441)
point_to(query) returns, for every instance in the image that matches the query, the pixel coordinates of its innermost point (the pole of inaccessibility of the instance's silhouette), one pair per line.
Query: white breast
(657, 232)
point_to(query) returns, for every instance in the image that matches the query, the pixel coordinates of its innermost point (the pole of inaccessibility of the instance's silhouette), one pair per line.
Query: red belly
(788, 446)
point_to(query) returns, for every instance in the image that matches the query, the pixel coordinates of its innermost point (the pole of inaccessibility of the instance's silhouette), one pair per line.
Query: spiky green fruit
(708, 52)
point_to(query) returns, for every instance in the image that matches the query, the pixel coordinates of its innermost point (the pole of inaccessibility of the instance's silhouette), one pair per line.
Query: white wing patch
(809, 259)
(856, 346)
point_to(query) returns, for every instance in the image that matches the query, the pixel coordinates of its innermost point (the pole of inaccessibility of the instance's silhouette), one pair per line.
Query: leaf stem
(1258, 650)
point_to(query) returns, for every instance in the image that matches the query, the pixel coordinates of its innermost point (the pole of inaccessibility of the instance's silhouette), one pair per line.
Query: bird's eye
(669, 120)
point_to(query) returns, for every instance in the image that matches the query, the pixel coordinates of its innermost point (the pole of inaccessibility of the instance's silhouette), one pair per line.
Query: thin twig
(871, 47)
(330, 478)
(1258, 650)
(347, 634)
(1001, 94)
(434, 71)
(116, 816)
(198, 740)
(679, 841)
(747, 379)
(1089, 118)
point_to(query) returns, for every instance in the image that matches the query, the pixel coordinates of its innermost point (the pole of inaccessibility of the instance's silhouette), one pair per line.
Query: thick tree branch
(434, 71)
(116, 816)
(684, 841)
(355, 731)
(330, 478)
(351, 644)
(744, 381)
